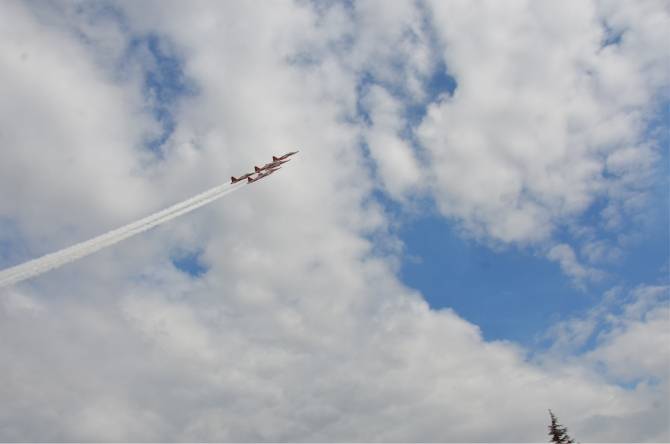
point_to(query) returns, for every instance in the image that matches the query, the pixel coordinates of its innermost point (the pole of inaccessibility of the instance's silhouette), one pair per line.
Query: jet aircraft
(245, 176)
(269, 166)
(265, 170)
(285, 156)
(262, 175)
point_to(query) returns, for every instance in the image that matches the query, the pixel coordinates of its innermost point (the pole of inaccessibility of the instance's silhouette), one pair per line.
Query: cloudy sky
(475, 229)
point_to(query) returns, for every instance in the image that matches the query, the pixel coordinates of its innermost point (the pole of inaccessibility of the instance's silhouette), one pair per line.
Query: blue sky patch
(510, 294)
(611, 36)
(190, 263)
(440, 84)
(164, 83)
(12, 247)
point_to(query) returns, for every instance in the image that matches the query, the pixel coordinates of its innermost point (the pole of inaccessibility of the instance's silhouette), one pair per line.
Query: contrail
(54, 260)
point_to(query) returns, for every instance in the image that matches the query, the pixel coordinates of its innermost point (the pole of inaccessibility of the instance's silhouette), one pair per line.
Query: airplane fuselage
(270, 165)
(262, 175)
(233, 179)
(285, 156)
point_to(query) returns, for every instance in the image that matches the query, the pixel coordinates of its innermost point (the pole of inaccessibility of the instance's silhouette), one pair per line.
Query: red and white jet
(269, 166)
(265, 170)
(285, 156)
(262, 175)
(233, 179)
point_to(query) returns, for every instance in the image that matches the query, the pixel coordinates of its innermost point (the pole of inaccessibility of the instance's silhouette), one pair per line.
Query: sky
(475, 230)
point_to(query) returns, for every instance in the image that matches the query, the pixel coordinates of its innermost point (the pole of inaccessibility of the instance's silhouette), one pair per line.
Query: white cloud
(567, 259)
(67, 128)
(599, 251)
(297, 331)
(398, 168)
(629, 331)
(542, 111)
(625, 340)
(636, 344)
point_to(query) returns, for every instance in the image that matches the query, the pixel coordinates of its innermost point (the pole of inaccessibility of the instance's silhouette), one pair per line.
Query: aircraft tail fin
(233, 180)
(258, 170)
(274, 158)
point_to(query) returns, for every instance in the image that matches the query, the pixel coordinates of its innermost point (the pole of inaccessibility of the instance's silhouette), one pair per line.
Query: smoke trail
(54, 260)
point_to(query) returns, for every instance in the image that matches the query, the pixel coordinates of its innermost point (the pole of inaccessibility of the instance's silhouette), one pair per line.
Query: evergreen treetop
(558, 433)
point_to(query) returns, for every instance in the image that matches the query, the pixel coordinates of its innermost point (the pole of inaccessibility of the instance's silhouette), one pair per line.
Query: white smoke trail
(50, 261)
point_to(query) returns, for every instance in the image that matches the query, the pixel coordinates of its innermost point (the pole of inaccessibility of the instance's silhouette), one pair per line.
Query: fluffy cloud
(548, 114)
(398, 167)
(298, 330)
(634, 346)
(624, 338)
(208, 363)
(567, 259)
(66, 126)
